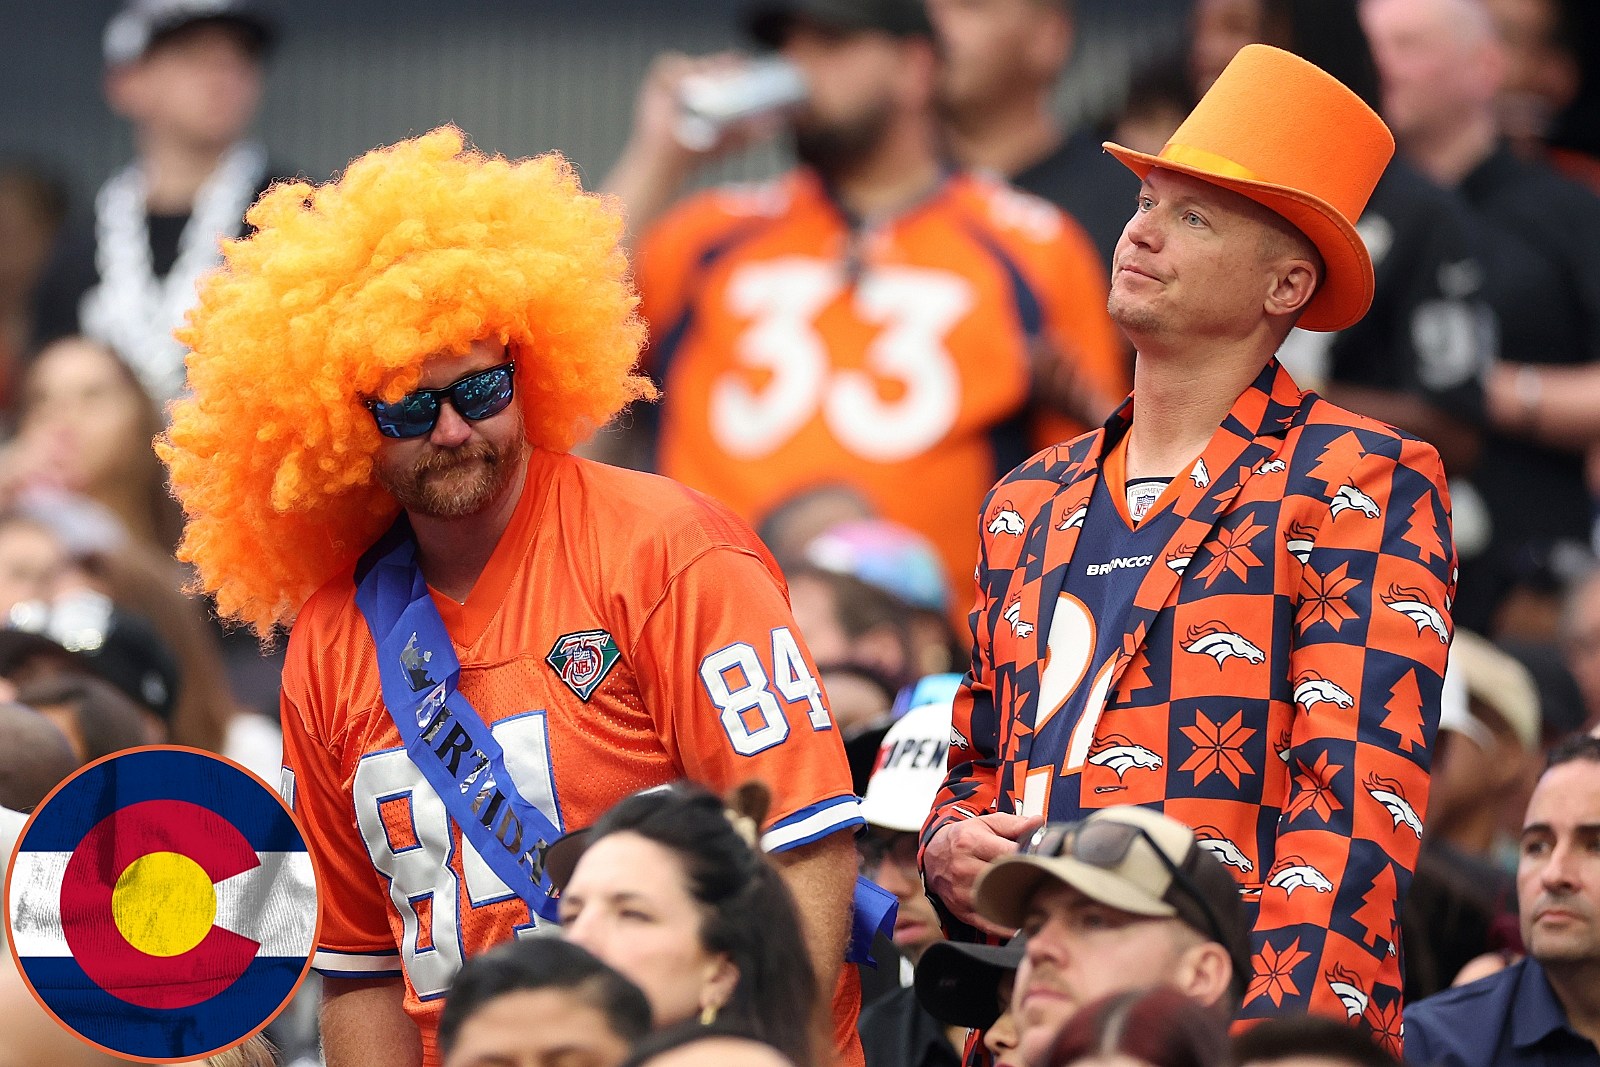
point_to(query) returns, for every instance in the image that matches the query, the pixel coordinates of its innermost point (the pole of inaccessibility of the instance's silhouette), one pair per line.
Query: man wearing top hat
(1232, 601)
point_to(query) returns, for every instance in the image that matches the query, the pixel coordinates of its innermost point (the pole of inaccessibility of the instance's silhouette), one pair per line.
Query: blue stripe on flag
(162, 774)
(156, 1033)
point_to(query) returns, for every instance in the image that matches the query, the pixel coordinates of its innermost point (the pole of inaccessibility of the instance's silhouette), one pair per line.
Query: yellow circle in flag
(164, 904)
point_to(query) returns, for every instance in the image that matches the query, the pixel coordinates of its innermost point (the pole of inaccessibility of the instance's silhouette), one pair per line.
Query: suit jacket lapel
(1051, 539)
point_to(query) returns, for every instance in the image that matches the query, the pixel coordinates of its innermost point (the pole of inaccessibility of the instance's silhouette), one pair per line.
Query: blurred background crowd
(131, 137)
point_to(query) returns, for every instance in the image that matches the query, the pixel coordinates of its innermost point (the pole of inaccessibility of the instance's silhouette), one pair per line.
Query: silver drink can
(710, 103)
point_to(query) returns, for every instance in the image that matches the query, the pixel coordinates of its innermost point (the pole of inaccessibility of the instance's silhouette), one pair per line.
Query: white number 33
(746, 694)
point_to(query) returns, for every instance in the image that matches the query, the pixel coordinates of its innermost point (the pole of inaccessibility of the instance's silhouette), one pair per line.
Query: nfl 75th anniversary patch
(161, 904)
(583, 659)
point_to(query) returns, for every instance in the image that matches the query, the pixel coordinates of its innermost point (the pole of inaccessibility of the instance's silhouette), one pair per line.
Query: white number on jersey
(1071, 644)
(741, 689)
(915, 308)
(422, 883)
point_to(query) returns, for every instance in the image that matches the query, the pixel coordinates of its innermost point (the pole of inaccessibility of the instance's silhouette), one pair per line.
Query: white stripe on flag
(36, 903)
(272, 904)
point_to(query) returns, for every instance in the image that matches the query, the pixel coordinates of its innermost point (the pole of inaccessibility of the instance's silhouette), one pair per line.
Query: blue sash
(443, 734)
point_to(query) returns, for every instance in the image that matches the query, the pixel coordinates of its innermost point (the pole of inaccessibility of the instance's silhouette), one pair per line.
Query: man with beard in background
(870, 319)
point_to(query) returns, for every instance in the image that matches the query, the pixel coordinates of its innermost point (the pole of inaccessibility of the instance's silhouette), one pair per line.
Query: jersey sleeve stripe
(357, 964)
(813, 823)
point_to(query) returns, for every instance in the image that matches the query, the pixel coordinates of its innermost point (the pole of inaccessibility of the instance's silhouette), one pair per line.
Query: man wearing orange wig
(1231, 602)
(492, 640)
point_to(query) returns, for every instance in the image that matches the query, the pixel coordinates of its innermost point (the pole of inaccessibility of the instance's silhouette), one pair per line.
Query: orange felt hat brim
(1345, 291)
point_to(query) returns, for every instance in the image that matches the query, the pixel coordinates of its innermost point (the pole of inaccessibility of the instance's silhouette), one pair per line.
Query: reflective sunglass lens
(475, 398)
(483, 395)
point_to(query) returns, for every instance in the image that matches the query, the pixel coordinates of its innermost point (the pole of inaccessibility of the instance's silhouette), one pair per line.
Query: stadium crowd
(832, 370)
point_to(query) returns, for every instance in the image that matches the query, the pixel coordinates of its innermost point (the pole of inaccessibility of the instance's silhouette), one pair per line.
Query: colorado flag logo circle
(162, 904)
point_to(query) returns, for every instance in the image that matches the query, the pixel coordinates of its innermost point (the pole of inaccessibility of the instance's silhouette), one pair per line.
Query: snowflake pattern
(1274, 972)
(1218, 748)
(1324, 598)
(1232, 552)
(1314, 790)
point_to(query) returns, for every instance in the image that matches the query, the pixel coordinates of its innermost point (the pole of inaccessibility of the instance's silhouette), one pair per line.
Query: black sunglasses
(1104, 843)
(873, 850)
(475, 397)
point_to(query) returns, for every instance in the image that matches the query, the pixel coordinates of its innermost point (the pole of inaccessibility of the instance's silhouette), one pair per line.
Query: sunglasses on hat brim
(1104, 843)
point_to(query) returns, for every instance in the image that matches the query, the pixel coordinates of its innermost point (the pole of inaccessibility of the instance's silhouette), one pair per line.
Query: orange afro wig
(341, 293)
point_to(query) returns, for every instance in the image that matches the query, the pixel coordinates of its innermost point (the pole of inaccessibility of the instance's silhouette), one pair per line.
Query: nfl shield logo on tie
(583, 659)
(162, 904)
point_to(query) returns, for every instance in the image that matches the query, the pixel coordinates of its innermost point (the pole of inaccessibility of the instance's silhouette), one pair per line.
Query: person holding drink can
(872, 319)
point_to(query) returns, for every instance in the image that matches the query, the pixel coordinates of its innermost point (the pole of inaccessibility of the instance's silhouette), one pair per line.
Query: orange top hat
(1290, 136)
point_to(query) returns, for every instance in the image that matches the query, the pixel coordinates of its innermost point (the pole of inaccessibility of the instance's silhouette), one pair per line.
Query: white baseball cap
(1478, 669)
(912, 762)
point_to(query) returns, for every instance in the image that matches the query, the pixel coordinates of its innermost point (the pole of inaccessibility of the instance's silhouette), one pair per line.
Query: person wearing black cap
(872, 319)
(963, 984)
(187, 74)
(1123, 899)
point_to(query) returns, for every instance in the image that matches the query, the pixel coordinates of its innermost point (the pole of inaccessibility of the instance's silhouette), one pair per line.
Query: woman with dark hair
(1153, 1027)
(540, 1001)
(671, 890)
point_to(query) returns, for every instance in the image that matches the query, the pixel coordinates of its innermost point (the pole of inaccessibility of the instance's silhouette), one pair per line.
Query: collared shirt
(1508, 1019)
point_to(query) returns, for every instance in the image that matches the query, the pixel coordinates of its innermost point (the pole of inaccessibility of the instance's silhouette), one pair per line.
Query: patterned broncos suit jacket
(1278, 683)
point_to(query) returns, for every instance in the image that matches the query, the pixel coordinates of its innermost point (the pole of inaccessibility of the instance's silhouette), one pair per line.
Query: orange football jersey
(796, 351)
(626, 632)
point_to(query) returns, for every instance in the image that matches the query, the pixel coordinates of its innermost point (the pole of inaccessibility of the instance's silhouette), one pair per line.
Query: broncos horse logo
(1121, 755)
(1076, 513)
(1217, 641)
(1346, 985)
(1414, 605)
(1013, 615)
(1392, 795)
(1300, 539)
(1293, 872)
(1006, 520)
(1219, 845)
(1349, 498)
(1312, 689)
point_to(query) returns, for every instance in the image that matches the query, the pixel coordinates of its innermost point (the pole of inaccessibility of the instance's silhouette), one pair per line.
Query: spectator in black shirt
(1442, 66)
(187, 74)
(1416, 360)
